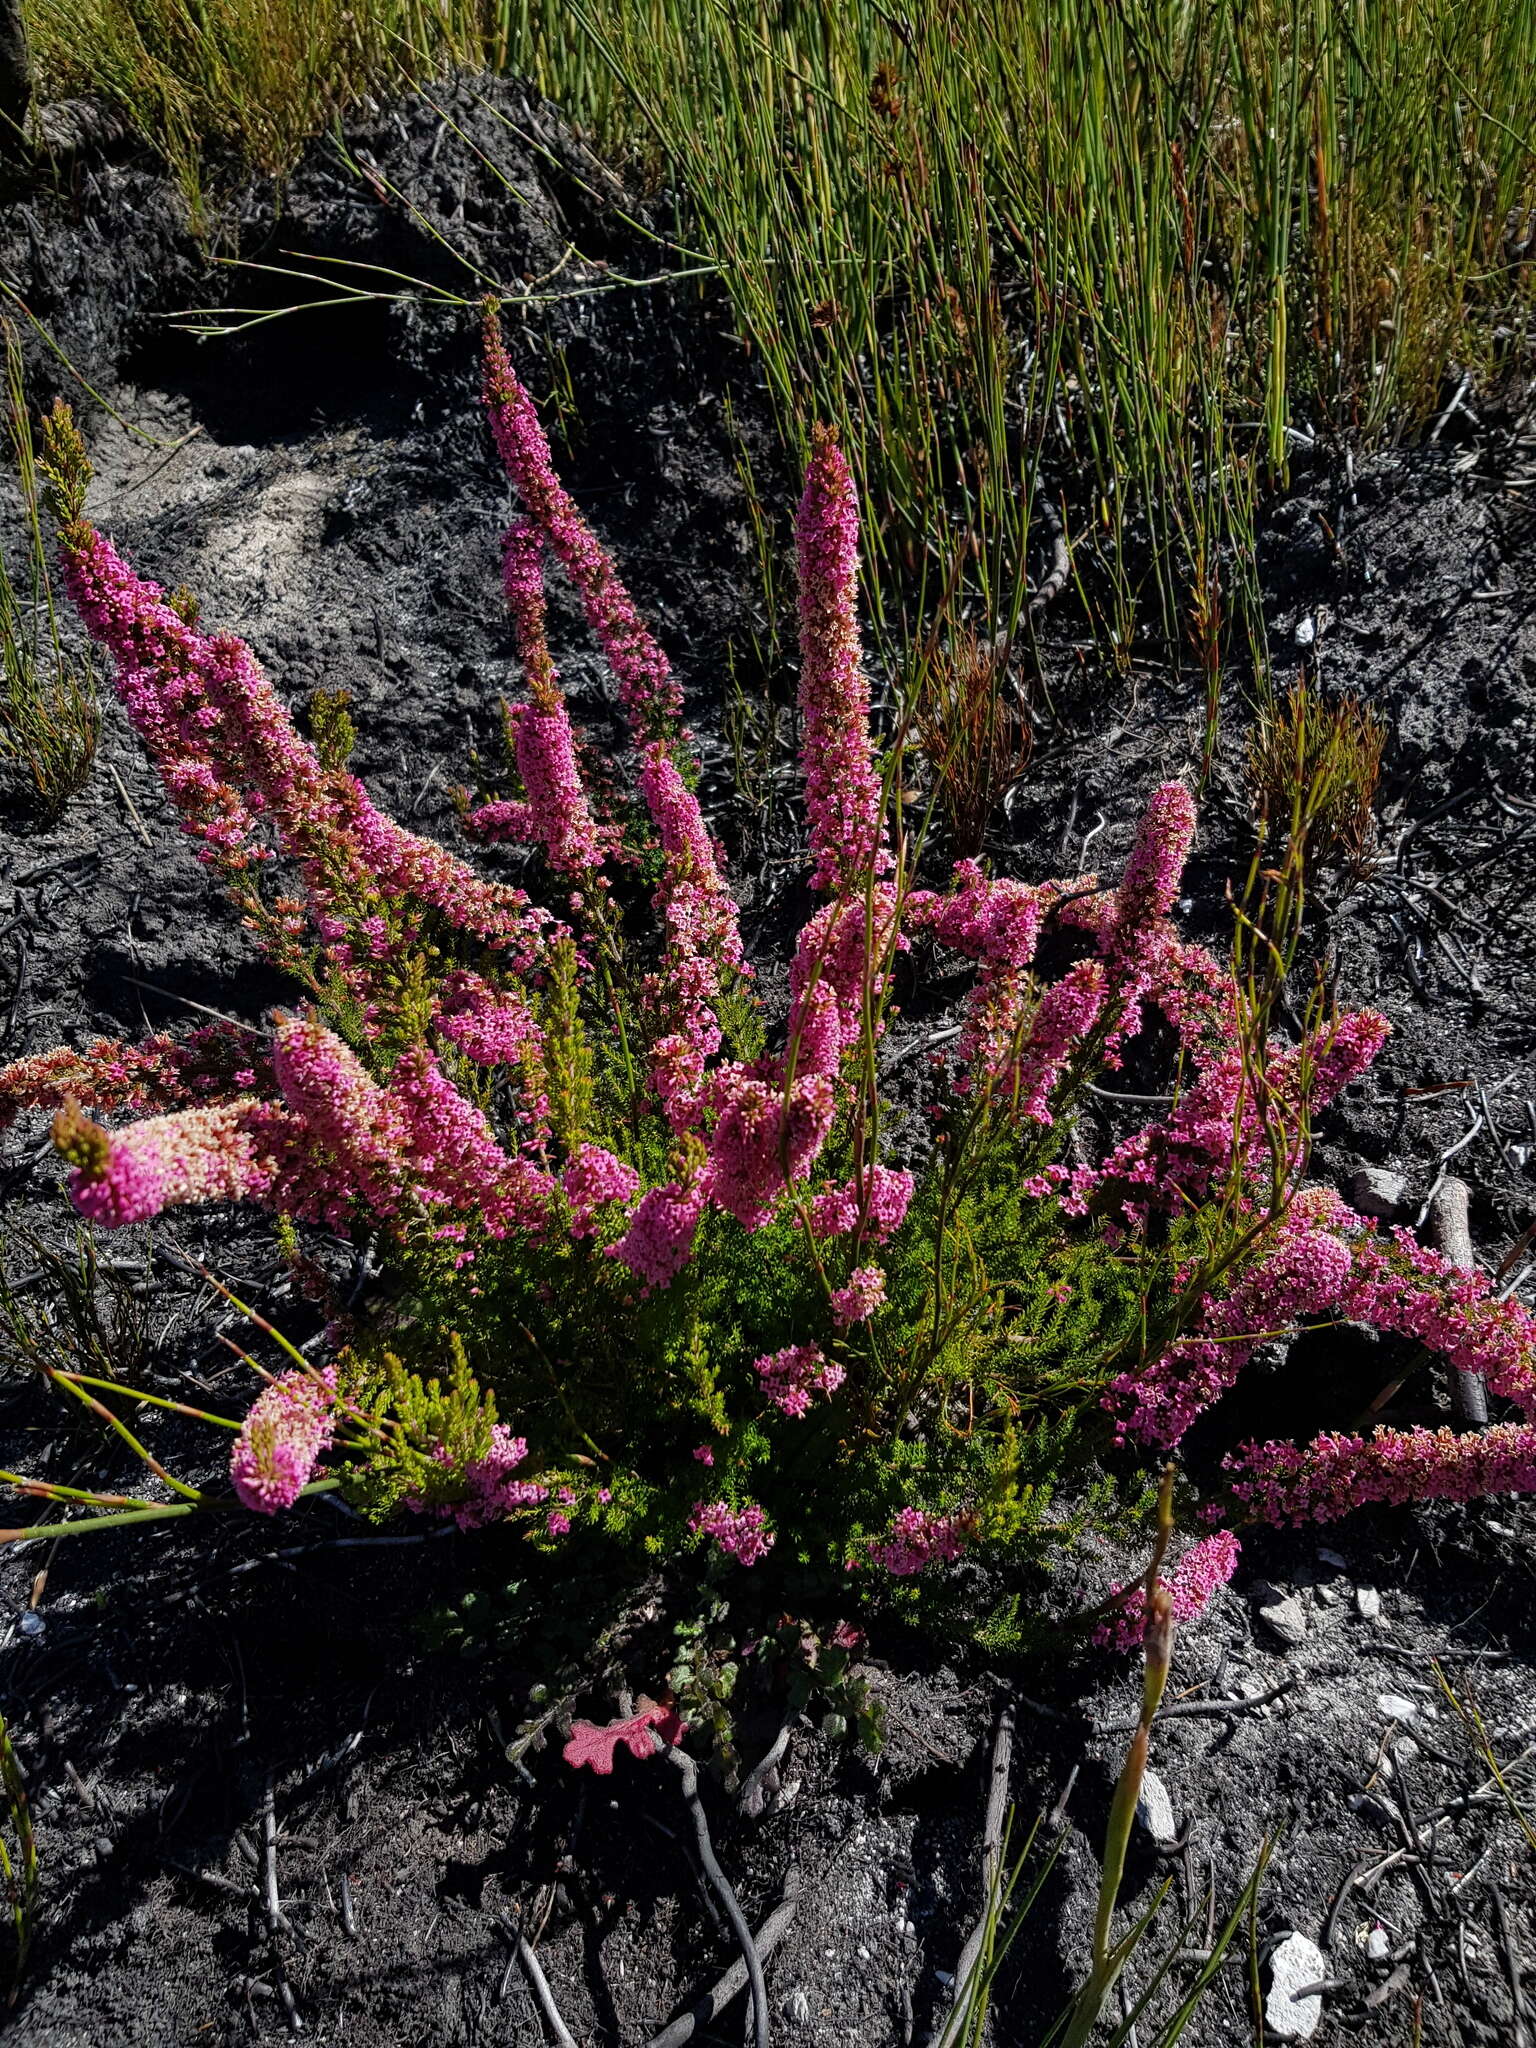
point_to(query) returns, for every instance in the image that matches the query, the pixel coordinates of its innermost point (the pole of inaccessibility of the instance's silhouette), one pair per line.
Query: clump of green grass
(1313, 766)
(222, 85)
(49, 715)
(1149, 246)
(1138, 253)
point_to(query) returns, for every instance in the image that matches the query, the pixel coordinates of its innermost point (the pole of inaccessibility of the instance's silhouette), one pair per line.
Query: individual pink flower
(742, 1533)
(281, 1440)
(857, 1302)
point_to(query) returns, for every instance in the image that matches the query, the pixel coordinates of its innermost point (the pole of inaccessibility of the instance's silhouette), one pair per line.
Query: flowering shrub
(616, 1204)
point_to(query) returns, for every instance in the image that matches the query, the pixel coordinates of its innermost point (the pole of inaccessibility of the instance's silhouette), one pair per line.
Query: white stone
(1154, 1809)
(1332, 1557)
(1296, 1962)
(1395, 1707)
(1377, 1946)
(1367, 1602)
(1285, 1618)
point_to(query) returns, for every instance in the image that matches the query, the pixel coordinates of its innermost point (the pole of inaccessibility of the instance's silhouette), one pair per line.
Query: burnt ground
(326, 486)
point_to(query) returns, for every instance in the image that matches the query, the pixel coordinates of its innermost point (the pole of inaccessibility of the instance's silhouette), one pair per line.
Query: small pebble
(1154, 1809)
(1367, 1603)
(1286, 1619)
(32, 1623)
(1377, 1945)
(1295, 1963)
(1332, 1557)
(797, 2007)
(1395, 1707)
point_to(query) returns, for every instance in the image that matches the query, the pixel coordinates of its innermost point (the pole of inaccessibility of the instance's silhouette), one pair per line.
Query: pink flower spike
(659, 1240)
(193, 1155)
(843, 791)
(290, 1423)
(593, 1178)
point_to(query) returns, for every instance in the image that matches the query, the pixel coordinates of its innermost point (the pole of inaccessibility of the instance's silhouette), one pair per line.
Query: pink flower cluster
(493, 1494)
(882, 1193)
(593, 1178)
(1334, 1474)
(790, 1377)
(857, 1302)
(742, 1533)
(236, 770)
(281, 1440)
(916, 1540)
(162, 1073)
(336, 1138)
(659, 1241)
(1324, 1260)
(494, 1027)
(1195, 1581)
(842, 786)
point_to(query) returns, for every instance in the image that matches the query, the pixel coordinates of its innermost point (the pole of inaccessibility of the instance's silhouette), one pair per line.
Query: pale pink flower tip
(281, 1439)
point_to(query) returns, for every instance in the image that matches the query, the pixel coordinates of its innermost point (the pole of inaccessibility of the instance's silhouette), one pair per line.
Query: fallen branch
(991, 1872)
(717, 1877)
(545, 1997)
(1447, 1230)
(707, 2009)
(749, 1799)
(1188, 1709)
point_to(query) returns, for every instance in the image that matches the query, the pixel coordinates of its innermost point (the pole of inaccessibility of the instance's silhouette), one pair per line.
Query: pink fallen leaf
(596, 1746)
